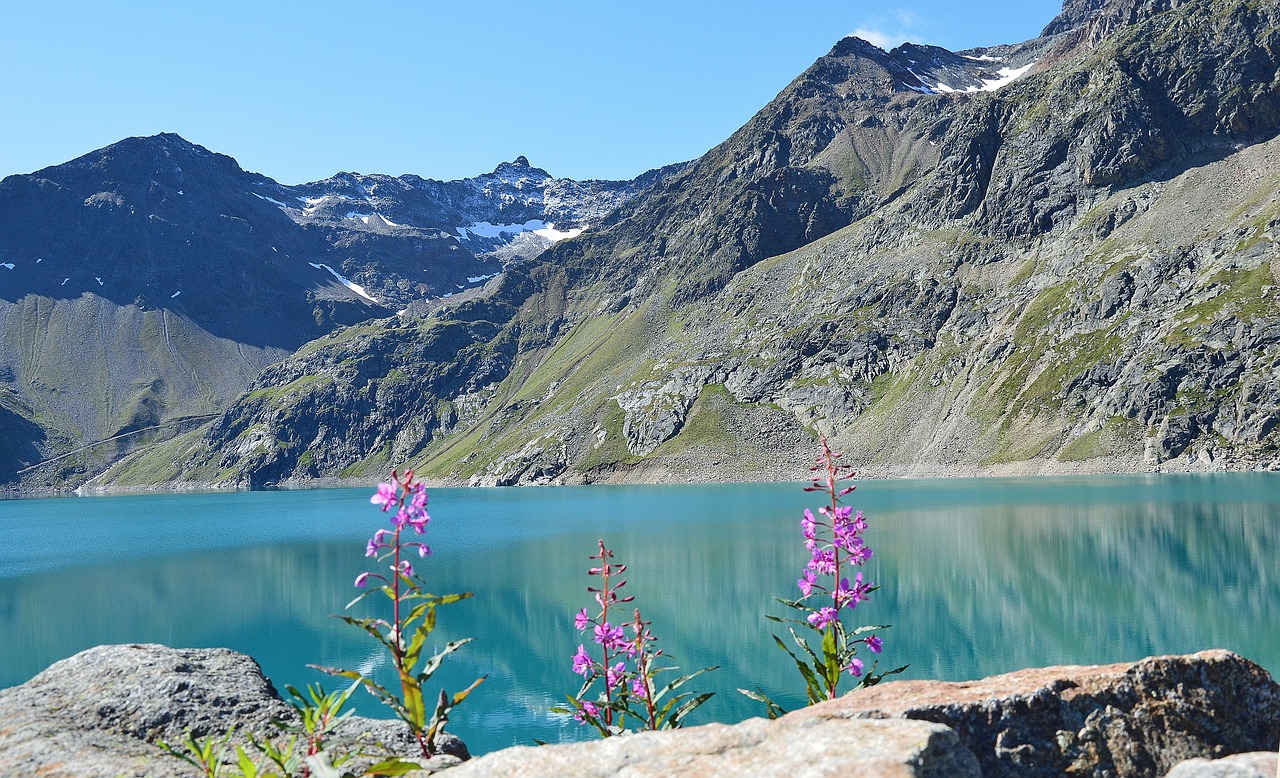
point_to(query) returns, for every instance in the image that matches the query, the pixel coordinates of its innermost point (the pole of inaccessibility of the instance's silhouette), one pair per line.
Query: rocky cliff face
(1064, 260)
(148, 282)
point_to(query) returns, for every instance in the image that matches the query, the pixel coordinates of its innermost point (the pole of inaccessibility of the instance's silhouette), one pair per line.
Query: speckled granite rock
(100, 712)
(1253, 765)
(791, 746)
(1257, 764)
(1129, 719)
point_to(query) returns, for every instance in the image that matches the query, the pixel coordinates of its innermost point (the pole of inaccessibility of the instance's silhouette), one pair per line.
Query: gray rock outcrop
(818, 745)
(1252, 765)
(1132, 719)
(100, 712)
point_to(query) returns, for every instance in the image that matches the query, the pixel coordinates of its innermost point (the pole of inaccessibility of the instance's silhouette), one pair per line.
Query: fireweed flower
(833, 538)
(413, 615)
(613, 675)
(823, 617)
(385, 496)
(806, 582)
(610, 637)
(581, 662)
(620, 677)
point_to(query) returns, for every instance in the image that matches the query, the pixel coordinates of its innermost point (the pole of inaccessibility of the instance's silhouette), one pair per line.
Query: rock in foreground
(100, 712)
(1254, 765)
(817, 745)
(1132, 719)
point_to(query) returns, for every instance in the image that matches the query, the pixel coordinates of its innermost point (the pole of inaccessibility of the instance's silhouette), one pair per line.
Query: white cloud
(879, 39)
(891, 28)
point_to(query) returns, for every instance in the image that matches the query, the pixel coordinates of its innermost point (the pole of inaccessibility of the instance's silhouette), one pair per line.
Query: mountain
(144, 285)
(1051, 256)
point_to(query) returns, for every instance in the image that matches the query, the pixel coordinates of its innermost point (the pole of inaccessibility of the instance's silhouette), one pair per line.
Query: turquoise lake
(978, 576)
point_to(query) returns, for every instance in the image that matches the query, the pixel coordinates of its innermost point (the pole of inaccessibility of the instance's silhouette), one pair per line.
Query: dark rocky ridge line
(101, 711)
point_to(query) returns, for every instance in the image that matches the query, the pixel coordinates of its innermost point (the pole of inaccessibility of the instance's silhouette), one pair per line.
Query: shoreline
(659, 475)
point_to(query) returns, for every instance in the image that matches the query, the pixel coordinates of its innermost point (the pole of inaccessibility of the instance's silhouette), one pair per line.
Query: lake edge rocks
(100, 712)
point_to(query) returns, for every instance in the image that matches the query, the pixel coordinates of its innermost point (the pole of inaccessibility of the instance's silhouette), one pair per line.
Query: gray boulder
(814, 745)
(102, 711)
(1129, 719)
(1252, 765)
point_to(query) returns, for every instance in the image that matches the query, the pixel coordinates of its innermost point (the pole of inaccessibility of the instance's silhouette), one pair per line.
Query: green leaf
(462, 695)
(805, 645)
(677, 718)
(774, 709)
(871, 628)
(247, 768)
(681, 681)
(433, 663)
(812, 686)
(392, 767)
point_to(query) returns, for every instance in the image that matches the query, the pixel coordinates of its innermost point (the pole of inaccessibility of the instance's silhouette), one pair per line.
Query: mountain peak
(521, 168)
(1074, 13)
(852, 45)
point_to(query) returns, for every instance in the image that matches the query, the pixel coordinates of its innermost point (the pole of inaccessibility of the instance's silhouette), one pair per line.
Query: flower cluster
(413, 613)
(829, 586)
(845, 549)
(626, 664)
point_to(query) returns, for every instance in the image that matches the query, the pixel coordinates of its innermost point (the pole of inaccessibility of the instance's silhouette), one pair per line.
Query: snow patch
(99, 280)
(470, 279)
(555, 236)
(365, 217)
(358, 289)
(925, 89)
(1006, 76)
(39, 260)
(536, 226)
(7, 264)
(271, 200)
(1003, 77)
(314, 201)
(984, 58)
(64, 281)
(175, 294)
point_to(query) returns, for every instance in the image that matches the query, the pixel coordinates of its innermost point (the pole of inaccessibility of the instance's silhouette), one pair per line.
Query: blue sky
(299, 91)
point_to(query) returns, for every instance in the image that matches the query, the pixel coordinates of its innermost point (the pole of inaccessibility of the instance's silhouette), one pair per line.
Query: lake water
(978, 576)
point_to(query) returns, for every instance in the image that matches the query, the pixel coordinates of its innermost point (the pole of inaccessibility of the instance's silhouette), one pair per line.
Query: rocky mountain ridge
(157, 278)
